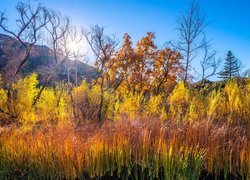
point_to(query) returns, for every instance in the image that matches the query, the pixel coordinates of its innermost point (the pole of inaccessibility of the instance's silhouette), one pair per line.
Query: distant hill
(41, 62)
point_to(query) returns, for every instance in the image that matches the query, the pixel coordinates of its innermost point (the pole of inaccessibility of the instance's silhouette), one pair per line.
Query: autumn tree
(24, 92)
(122, 66)
(144, 68)
(103, 47)
(166, 69)
(178, 102)
(3, 101)
(145, 54)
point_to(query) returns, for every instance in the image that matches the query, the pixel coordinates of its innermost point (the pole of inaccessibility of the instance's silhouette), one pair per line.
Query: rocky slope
(41, 61)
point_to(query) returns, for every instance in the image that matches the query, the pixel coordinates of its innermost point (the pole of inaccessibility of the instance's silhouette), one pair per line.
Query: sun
(74, 47)
(78, 47)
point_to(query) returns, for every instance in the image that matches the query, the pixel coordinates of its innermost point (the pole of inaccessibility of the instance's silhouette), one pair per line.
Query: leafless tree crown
(190, 26)
(30, 23)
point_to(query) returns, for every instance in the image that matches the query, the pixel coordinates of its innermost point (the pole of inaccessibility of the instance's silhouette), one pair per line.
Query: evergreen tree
(231, 67)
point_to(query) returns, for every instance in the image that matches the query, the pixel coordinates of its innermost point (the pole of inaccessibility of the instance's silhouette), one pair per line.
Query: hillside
(41, 62)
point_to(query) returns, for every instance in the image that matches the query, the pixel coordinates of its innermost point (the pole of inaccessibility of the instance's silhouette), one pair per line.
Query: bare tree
(209, 64)
(103, 47)
(32, 18)
(191, 25)
(30, 22)
(71, 37)
(56, 28)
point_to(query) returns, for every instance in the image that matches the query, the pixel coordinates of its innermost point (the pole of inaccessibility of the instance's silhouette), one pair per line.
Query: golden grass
(142, 148)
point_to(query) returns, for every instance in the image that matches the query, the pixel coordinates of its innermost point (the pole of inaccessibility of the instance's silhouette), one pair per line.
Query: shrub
(229, 104)
(155, 107)
(3, 97)
(51, 106)
(197, 110)
(129, 106)
(179, 102)
(24, 92)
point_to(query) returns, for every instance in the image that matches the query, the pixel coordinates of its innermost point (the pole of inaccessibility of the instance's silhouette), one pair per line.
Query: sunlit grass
(149, 149)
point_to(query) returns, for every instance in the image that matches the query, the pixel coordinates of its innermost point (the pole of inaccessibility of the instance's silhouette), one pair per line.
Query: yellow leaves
(132, 106)
(129, 106)
(87, 102)
(155, 107)
(197, 108)
(24, 92)
(3, 97)
(230, 104)
(247, 98)
(51, 106)
(179, 95)
(178, 102)
(235, 101)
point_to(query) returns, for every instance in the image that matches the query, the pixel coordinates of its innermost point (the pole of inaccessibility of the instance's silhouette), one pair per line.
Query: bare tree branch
(209, 64)
(191, 25)
(31, 21)
(103, 46)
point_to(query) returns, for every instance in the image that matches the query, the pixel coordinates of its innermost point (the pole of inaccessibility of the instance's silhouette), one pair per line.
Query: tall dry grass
(141, 149)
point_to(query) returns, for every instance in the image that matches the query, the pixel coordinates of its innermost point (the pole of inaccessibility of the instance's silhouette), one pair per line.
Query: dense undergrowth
(187, 133)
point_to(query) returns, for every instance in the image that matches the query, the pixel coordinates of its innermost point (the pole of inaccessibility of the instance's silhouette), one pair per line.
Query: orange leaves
(141, 68)
(144, 67)
(146, 45)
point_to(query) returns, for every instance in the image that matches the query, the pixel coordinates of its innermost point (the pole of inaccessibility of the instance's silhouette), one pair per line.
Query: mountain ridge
(42, 62)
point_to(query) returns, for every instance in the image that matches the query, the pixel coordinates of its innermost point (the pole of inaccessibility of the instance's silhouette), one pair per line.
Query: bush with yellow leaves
(87, 100)
(155, 107)
(247, 100)
(51, 105)
(128, 106)
(230, 105)
(3, 97)
(24, 92)
(179, 101)
(197, 110)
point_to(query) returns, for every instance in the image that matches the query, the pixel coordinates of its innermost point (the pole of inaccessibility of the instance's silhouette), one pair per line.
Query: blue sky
(229, 28)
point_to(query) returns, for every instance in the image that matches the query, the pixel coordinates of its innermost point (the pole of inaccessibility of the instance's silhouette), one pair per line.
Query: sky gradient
(229, 28)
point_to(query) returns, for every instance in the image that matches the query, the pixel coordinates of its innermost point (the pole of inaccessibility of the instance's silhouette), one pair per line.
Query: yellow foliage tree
(154, 107)
(51, 106)
(247, 100)
(178, 102)
(24, 92)
(129, 106)
(230, 104)
(197, 110)
(3, 98)
(86, 107)
(87, 101)
(235, 101)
